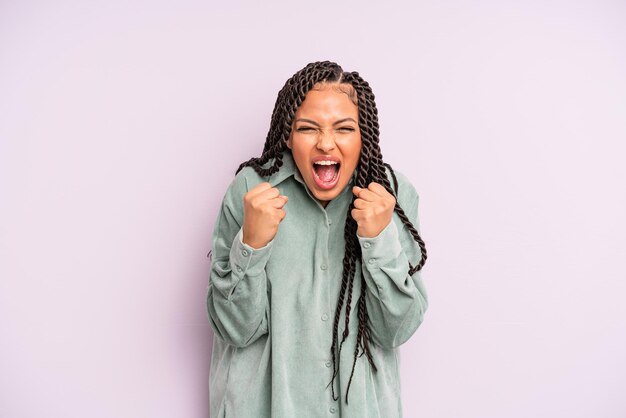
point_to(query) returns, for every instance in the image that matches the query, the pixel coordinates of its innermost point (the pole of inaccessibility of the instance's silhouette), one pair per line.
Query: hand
(262, 213)
(373, 209)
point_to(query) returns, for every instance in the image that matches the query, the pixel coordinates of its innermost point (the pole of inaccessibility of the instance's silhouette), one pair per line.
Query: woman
(310, 232)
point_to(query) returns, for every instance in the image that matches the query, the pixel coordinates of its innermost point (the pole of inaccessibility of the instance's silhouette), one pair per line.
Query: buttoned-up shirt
(272, 308)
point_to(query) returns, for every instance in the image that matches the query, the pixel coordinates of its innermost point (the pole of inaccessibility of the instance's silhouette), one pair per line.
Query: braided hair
(371, 168)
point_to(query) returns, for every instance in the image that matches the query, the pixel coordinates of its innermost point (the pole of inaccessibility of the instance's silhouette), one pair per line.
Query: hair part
(339, 86)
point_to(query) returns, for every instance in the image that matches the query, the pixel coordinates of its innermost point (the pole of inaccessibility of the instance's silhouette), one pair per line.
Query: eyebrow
(317, 124)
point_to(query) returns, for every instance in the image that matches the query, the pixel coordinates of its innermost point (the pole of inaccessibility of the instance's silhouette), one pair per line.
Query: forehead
(327, 101)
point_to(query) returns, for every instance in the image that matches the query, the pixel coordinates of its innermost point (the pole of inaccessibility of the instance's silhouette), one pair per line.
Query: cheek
(302, 161)
(302, 144)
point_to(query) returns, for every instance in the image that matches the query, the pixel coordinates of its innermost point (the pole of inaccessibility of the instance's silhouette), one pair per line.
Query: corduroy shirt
(272, 309)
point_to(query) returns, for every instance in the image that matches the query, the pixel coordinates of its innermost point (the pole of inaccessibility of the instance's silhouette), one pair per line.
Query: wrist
(250, 241)
(370, 233)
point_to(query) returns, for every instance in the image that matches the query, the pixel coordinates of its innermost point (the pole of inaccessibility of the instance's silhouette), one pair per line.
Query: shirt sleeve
(237, 302)
(396, 301)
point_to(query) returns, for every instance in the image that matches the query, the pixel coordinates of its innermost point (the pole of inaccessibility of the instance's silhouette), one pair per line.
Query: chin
(325, 196)
(328, 194)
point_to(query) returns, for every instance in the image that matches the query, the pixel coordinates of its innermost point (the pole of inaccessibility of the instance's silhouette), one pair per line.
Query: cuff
(383, 247)
(245, 259)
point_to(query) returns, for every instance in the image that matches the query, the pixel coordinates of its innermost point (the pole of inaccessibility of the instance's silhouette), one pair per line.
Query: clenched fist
(262, 213)
(373, 209)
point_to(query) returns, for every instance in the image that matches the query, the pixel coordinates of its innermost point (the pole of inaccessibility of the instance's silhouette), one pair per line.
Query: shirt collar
(288, 169)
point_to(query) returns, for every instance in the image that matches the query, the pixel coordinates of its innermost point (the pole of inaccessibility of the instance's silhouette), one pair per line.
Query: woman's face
(326, 128)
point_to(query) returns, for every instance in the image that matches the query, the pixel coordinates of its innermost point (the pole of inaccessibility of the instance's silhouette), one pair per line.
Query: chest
(309, 247)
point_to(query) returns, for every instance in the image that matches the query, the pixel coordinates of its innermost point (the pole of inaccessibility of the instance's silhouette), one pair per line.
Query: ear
(288, 142)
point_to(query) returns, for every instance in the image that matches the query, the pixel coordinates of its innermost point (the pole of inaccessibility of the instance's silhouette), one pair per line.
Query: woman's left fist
(373, 209)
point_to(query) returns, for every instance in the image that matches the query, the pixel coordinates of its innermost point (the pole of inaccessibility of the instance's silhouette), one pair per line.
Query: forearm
(396, 301)
(237, 301)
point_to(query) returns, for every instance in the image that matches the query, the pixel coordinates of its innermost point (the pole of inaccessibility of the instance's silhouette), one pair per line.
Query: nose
(326, 142)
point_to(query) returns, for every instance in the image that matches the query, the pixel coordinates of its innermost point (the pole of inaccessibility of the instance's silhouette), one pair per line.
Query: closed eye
(346, 129)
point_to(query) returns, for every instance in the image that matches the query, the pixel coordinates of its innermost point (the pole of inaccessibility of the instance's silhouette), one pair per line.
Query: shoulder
(244, 180)
(407, 193)
(247, 178)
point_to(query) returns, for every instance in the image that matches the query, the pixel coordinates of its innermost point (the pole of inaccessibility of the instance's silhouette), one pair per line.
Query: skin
(262, 213)
(373, 209)
(326, 123)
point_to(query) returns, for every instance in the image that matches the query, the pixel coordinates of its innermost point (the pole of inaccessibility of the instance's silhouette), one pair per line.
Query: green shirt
(272, 308)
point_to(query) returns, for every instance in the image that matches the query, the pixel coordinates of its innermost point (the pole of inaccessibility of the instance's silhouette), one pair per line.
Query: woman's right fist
(262, 213)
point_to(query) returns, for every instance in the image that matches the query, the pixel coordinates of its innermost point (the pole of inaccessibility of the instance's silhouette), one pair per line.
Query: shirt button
(330, 222)
(244, 253)
(366, 244)
(324, 317)
(332, 409)
(328, 364)
(238, 268)
(371, 261)
(323, 266)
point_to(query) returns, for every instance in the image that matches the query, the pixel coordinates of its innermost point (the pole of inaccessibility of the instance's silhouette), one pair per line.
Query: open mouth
(326, 174)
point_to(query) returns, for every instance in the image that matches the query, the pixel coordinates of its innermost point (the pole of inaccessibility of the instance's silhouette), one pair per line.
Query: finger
(361, 204)
(367, 195)
(378, 188)
(270, 193)
(259, 188)
(278, 202)
(356, 214)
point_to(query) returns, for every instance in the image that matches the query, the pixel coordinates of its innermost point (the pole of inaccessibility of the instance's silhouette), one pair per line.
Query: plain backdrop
(123, 122)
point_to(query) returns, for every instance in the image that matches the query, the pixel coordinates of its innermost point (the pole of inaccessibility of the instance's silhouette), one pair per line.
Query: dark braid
(370, 168)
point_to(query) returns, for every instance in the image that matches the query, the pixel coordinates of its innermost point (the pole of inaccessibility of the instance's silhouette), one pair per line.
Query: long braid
(368, 171)
(371, 167)
(368, 128)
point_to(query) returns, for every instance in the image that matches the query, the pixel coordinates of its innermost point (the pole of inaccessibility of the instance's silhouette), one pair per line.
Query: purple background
(122, 123)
